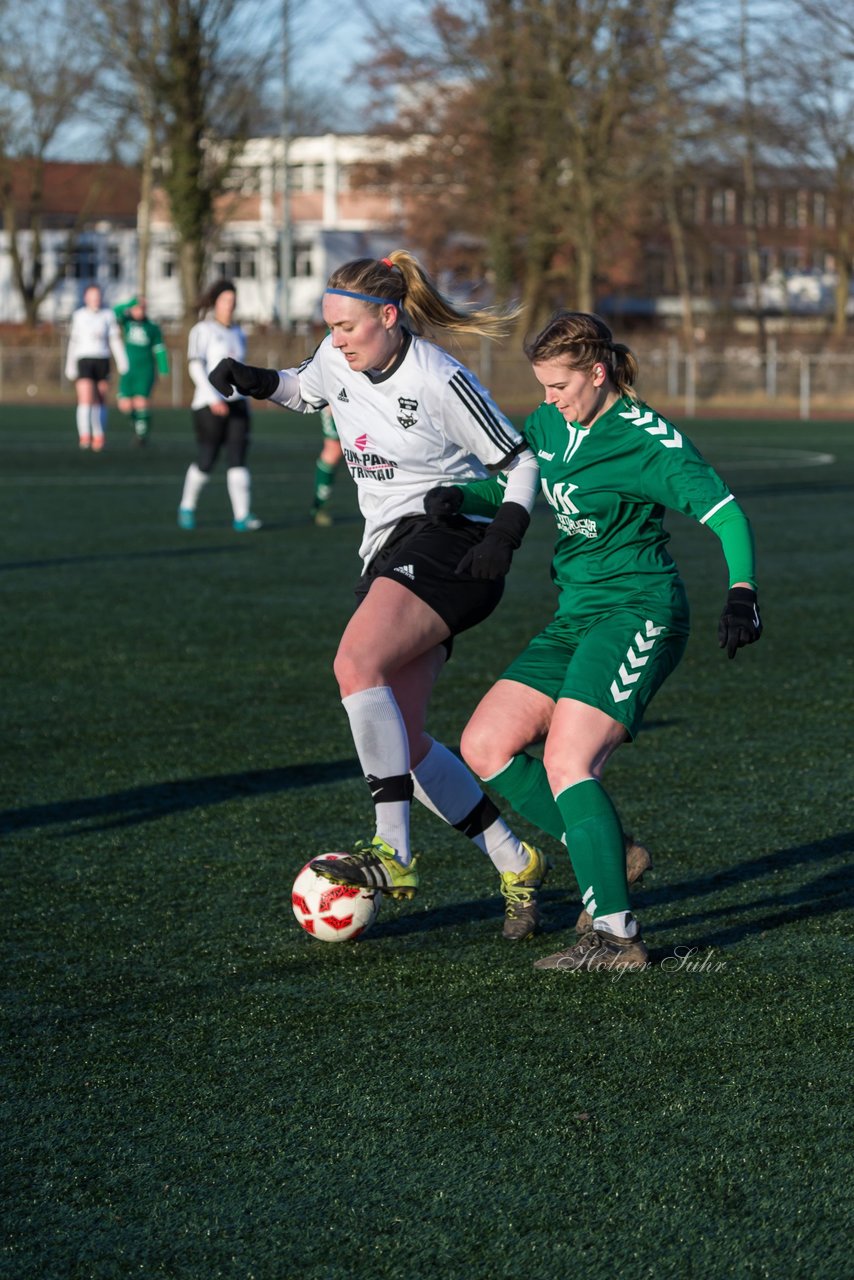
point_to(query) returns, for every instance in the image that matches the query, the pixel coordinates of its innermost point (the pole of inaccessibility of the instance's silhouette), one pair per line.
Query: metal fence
(791, 383)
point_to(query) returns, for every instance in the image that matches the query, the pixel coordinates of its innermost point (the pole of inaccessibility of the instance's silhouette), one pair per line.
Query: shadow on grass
(828, 893)
(825, 894)
(240, 544)
(144, 804)
(105, 557)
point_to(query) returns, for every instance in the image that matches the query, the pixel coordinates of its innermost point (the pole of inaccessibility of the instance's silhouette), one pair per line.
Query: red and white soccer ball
(333, 912)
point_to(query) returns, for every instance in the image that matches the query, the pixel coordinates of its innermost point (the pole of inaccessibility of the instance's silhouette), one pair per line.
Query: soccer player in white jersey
(409, 414)
(220, 421)
(610, 466)
(94, 335)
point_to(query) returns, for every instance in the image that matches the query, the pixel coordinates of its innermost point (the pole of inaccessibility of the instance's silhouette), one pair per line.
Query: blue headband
(364, 297)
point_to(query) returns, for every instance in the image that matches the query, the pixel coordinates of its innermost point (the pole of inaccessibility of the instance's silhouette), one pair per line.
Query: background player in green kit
(609, 466)
(325, 469)
(147, 356)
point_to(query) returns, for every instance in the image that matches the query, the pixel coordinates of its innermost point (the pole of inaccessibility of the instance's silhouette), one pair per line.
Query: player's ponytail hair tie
(388, 262)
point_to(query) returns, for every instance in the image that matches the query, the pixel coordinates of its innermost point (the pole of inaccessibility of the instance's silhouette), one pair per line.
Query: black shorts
(94, 370)
(229, 431)
(423, 557)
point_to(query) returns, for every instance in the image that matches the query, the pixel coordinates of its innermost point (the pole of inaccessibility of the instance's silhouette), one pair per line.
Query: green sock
(596, 847)
(141, 422)
(525, 785)
(324, 476)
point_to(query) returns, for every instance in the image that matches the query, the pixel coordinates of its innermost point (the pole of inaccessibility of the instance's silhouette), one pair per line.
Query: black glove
(492, 555)
(230, 375)
(740, 623)
(444, 502)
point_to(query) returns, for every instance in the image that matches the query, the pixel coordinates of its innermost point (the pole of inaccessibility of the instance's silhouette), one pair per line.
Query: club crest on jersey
(406, 417)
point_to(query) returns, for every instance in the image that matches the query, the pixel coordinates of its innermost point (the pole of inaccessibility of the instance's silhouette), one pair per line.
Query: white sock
(444, 785)
(84, 421)
(621, 923)
(194, 481)
(239, 486)
(382, 746)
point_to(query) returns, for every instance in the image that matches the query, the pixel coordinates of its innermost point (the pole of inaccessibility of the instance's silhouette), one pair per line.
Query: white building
(332, 220)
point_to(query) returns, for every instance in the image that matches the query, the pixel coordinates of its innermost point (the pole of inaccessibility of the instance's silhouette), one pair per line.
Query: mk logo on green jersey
(559, 498)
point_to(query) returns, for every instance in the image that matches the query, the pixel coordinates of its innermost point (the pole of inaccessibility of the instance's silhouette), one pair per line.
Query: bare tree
(750, 145)
(46, 79)
(538, 105)
(822, 119)
(193, 68)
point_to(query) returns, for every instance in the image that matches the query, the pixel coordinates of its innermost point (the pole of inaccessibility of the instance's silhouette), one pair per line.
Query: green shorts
(135, 383)
(617, 662)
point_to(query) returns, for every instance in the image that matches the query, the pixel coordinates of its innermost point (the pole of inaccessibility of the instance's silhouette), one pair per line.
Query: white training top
(423, 421)
(210, 342)
(94, 334)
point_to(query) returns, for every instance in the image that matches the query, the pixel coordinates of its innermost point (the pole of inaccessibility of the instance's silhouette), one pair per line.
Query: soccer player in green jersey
(609, 466)
(147, 356)
(329, 459)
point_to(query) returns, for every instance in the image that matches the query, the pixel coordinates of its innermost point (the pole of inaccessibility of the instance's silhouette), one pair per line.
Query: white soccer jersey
(210, 342)
(424, 421)
(94, 334)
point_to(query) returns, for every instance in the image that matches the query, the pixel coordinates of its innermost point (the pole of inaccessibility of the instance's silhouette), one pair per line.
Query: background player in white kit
(409, 414)
(94, 335)
(219, 421)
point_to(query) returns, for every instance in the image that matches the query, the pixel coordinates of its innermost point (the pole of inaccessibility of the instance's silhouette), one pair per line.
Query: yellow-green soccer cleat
(519, 890)
(599, 949)
(371, 866)
(638, 861)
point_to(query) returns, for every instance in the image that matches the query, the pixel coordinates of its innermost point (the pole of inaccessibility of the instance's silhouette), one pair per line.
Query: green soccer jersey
(608, 486)
(143, 342)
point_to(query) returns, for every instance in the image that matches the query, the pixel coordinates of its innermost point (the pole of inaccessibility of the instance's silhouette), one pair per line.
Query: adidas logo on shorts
(407, 570)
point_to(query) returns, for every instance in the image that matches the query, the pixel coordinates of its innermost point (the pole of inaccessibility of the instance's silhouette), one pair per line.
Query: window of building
(302, 260)
(822, 211)
(722, 207)
(82, 262)
(114, 262)
(306, 177)
(688, 205)
(760, 211)
(168, 264)
(236, 262)
(791, 209)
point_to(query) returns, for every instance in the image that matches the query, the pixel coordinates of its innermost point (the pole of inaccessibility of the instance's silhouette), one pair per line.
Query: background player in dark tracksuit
(147, 356)
(408, 415)
(609, 466)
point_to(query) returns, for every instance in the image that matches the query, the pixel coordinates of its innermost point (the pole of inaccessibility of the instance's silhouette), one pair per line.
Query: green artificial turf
(196, 1088)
